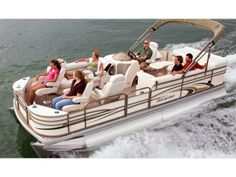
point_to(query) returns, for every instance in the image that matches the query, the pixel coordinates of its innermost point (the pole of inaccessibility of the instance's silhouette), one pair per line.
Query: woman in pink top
(51, 76)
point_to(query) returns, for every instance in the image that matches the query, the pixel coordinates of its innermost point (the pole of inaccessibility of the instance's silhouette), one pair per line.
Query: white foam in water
(201, 133)
(197, 45)
(230, 78)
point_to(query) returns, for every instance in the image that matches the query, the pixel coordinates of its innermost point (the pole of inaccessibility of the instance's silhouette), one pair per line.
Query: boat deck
(41, 99)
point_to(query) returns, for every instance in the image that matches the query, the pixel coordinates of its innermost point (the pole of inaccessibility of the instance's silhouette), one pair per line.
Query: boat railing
(122, 105)
(40, 120)
(201, 54)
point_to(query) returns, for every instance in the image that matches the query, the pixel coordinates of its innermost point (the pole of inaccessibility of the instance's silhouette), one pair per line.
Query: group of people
(145, 53)
(78, 84)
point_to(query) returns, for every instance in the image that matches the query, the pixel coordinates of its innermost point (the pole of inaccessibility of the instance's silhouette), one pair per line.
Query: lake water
(26, 47)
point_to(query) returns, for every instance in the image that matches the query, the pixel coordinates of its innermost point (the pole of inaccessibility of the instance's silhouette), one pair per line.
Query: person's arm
(149, 54)
(101, 68)
(146, 56)
(42, 74)
(177, 72)
(71, 97)
(139, 52)
(82, 59)
(198, 66)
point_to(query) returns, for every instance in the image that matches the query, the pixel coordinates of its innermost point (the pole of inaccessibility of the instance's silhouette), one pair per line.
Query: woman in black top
(177, 68)
(76, 90)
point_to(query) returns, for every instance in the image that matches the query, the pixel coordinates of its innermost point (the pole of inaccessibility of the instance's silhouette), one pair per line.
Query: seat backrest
(131, 72)
(60, 76)
(88, 74)
(88, 89)
(155, 54)
(114, 86)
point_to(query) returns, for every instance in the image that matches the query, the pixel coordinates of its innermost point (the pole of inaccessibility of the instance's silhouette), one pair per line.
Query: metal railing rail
(90, 115)
(199, 57)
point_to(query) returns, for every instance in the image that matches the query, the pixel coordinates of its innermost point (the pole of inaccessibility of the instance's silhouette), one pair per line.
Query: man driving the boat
(145, 52)
(188, 60)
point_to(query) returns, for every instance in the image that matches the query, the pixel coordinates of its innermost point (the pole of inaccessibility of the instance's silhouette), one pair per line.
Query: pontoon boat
(124, 99)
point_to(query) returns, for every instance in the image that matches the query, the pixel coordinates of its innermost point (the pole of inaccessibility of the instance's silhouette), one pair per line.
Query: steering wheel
(132, 55)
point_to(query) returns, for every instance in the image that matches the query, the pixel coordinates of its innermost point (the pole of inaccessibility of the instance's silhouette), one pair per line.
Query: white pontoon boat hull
(135, 122)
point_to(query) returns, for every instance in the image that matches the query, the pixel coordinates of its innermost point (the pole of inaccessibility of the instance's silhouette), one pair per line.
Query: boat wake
(230, 79)
(206, 131)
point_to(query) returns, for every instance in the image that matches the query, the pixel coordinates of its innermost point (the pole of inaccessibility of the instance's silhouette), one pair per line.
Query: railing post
(181, 89)
(208, 57)
(198, 57)
(68, 123)
(126, 105)
(212, 74)
(85, 123)
(17, 99)
(167, 55)
(27, 115)
(149, 98)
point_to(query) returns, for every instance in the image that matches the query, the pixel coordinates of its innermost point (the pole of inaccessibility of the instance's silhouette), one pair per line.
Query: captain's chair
(81, 101)
(113, 87)
(155, 54)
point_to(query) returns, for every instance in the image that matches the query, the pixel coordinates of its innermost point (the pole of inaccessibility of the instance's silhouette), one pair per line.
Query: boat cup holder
(56, 112)
(34, 106)
(24, 79)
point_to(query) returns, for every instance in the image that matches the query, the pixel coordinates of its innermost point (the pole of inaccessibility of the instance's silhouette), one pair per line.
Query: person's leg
(30, 88)
(33, 90)
(55, 100)
(159, 74)
(144, 66)
(59, 105)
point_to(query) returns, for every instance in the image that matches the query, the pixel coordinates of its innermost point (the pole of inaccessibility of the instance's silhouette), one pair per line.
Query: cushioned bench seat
(147, 80)
(214, 61)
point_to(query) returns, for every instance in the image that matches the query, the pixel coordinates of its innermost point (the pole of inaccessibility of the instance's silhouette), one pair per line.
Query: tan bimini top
(210, 25)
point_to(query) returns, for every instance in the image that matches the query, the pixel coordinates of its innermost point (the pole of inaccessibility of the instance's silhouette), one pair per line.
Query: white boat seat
(66, 83)
(76, 66)
(81, 101)
(148, 80)
(52, 87)
(113, 87)
(155, 53)
(99, 81)
(214, 61)
(131, 72)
